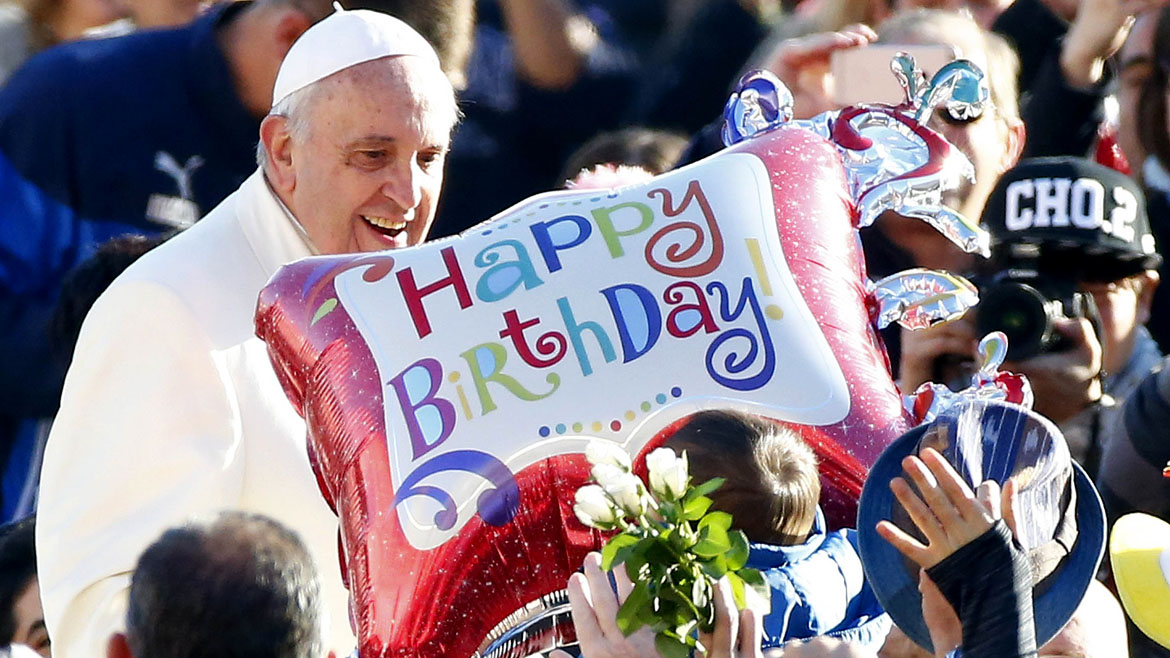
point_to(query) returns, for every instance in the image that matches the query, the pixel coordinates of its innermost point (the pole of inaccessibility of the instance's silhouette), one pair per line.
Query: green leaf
(737, 590)
(323, 310)
(669, 647)
(713, 539)
(631, 616)
(720, 520)
(695, 508)
(609, 552)
(738, 555)
(715, 567)
(705, 488)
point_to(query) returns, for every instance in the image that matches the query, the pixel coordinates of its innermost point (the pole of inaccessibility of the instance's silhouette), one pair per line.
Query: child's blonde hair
(773, 486)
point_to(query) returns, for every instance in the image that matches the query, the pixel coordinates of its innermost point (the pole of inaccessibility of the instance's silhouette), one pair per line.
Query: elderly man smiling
(171, 408)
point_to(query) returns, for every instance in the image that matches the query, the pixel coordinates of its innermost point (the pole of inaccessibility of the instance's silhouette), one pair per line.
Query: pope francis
(171, 409)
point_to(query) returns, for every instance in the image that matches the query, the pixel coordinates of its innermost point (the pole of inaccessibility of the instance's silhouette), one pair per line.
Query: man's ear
(1016, 135)
(118, 647)
(277, 145)
(1149, 283)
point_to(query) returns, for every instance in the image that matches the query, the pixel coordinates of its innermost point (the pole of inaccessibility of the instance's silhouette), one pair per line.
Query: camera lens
(1021, 312)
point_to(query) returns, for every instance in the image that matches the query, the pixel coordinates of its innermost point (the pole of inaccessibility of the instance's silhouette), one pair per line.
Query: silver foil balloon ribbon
(920, 298)
(988, 383)
(761, 102)
(893, 161)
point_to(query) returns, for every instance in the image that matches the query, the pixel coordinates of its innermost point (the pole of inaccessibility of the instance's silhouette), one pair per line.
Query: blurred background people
(21, 620)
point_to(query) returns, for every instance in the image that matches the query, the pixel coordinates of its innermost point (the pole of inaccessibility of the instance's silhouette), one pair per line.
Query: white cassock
(171, 410)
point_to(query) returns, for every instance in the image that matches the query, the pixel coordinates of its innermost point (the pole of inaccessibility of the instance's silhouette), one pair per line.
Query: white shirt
(171, 410)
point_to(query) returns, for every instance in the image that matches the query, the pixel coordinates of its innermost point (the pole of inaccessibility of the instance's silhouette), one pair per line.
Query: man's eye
(368, 158)
(429, 158)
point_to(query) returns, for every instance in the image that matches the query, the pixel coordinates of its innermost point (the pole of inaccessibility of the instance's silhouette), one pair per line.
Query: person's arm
(550, 42)
(148, 435)
(40, 235)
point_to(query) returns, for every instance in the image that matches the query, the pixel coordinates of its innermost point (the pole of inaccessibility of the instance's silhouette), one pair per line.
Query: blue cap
(990, 440)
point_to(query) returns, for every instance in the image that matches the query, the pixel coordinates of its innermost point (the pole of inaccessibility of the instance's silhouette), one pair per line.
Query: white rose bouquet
(673, 548)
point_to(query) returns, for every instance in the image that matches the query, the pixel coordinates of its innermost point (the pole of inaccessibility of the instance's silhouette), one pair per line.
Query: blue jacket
(100, 138)
(819, 588)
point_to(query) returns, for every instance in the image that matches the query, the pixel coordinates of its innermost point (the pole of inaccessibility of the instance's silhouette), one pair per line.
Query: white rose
(629, 493)
(594, 508)
(607, 452)
(668, 473)
(604, 474)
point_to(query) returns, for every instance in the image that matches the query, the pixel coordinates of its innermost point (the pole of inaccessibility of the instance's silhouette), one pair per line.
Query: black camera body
(1024, 303)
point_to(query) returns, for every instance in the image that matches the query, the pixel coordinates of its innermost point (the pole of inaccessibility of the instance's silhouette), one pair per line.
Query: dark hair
(773, 486)
(86, 282)
(242, 585)
(18, 568)
(656, 151)
(449, 26)
(1151, 118)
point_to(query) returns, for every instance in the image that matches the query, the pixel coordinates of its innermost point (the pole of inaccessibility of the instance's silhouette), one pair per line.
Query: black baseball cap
(1079, 217)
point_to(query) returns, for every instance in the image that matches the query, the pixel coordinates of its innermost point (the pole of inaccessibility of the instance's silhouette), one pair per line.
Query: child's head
(773, 486)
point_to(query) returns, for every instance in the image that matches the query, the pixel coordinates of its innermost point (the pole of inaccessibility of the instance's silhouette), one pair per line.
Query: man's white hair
(295, 109)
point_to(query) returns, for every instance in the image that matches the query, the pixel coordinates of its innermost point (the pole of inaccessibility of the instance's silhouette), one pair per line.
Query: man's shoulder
(211, 257)
(103, 66)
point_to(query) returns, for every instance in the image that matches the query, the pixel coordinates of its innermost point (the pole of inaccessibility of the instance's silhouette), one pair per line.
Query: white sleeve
(148, 435)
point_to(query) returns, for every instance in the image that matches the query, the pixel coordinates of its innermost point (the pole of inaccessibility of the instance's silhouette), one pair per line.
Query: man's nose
(404, 185)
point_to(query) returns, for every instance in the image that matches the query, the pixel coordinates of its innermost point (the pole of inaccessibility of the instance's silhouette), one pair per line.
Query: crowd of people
(161, 159)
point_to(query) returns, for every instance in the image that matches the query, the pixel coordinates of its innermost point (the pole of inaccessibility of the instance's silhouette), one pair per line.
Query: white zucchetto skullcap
(345, 39)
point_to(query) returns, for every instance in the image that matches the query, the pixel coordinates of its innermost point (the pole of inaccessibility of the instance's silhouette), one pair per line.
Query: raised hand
(947, 512)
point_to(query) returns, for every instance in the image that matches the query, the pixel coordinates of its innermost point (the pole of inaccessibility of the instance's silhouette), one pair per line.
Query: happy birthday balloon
(450, 389)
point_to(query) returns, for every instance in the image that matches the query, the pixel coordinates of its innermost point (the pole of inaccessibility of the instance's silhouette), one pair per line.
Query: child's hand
(948, 513)
(595, 608)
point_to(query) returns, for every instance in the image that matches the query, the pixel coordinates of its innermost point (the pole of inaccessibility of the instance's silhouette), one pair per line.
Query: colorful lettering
(551, 344)
(429, 419)
(639, 322)
(542, 232)
(734, 363)
(490, 358)
(686, 319)
(678, 251)
(413, 295)
(502, 279)
(613, 237)
(575, 329)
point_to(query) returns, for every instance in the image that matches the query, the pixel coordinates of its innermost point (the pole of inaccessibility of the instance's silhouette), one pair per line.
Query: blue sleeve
(39, 239)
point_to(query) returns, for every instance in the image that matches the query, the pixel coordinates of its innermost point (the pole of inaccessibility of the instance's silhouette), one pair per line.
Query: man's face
(367, 174)
(1123, 306)
(986, 141)
(989, 142)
